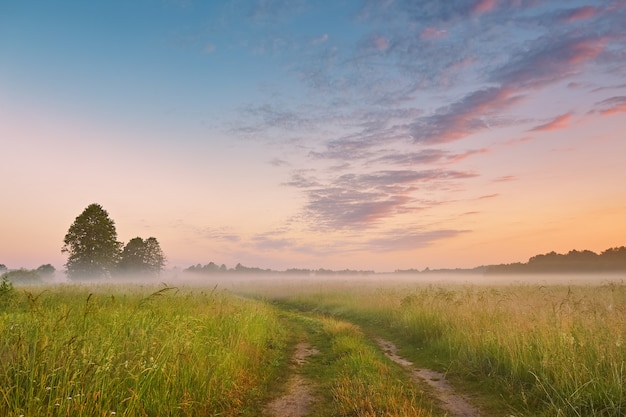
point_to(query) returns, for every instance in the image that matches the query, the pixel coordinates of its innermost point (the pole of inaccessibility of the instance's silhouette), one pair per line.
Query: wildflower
(48, 388)
(113, 413)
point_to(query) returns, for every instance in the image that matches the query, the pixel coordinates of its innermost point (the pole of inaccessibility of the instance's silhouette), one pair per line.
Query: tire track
(296, 401)
(455, 404)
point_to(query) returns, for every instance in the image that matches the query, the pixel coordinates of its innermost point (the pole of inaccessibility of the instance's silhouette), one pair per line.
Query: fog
(270, 283)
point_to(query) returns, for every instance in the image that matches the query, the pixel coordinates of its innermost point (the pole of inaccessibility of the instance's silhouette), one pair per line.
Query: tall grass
(549, 350)
(136, 352)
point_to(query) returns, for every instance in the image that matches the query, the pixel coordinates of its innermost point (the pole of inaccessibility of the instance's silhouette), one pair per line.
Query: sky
(345, 134)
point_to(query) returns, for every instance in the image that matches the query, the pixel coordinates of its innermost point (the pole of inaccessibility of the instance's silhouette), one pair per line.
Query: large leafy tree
(91, 244)
(142, 256)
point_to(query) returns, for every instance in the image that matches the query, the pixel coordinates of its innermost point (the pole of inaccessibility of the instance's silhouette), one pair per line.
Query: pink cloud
(381, 43)
(505, 178)
(484, 6)
(586, 50)
(615, 105)
(512, 142)
(617, 109)
(553, 62)
(432, 33)
(465, 155)
(560, 122)
(581, 13)
(464, 117)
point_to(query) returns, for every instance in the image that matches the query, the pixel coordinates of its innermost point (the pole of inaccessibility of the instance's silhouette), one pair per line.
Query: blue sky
(347, 134)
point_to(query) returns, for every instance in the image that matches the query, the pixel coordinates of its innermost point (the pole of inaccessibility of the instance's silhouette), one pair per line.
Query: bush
(7, 292)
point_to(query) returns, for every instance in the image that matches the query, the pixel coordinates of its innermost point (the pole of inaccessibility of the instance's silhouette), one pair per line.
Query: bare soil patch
(455, 404)
(295, 402)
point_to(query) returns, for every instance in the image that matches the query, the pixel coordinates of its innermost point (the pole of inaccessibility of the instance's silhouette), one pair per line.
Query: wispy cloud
(362, 200)
(427, 157)
(278, 162)
(319, 40)
(221, 234)
(560, 122)
(432, 33)
(579, 13)
(273, 241)
(483, 6)
(299, 179)
(266, 117)
(464, 117)
(405, 240)
(468, 79)
(505, 178)
(612, 105)
(548, 61)
(274, 10)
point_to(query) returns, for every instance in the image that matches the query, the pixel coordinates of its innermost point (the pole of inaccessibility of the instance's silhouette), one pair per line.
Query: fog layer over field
(276, 282)
(284, 281)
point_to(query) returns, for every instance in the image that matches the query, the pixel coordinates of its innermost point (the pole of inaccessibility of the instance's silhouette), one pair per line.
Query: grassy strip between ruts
(352, 376)
(529, 349)
(137, 351)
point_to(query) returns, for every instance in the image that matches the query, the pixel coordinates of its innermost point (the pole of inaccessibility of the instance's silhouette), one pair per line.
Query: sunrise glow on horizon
(373, 135)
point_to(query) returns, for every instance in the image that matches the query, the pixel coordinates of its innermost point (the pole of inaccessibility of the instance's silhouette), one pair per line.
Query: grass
(535, 350)
(352, 376)
(137, 352)
(531, 350)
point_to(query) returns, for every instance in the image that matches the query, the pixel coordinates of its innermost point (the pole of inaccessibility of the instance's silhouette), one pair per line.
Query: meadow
(136, 350)
(523, 349)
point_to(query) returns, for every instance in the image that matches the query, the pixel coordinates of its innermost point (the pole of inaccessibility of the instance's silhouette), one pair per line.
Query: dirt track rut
(296, 401)
(456, 405)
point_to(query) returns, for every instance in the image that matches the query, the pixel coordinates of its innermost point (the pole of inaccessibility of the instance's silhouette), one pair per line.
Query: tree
(91, 243)
(142, 256)
(155, 260)
(46, 270)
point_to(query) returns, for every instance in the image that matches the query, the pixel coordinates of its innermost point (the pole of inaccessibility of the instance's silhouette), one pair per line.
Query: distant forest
(212, 268)
(611, 260)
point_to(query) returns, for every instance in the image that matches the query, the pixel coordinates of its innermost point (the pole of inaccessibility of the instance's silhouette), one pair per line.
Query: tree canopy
(92, 245)
(142, 256)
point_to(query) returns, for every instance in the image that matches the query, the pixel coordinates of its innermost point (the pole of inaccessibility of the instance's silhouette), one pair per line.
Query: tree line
(610, 260)
(26, 276)
(213, 268)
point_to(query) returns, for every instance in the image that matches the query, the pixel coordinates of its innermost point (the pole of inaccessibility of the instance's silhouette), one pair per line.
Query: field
(518, 349)
(102, 351)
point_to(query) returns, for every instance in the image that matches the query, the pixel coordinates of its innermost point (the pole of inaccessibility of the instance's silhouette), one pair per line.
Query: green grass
(532, 350)
(352, 376)
(158, 351)
(137, 352)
